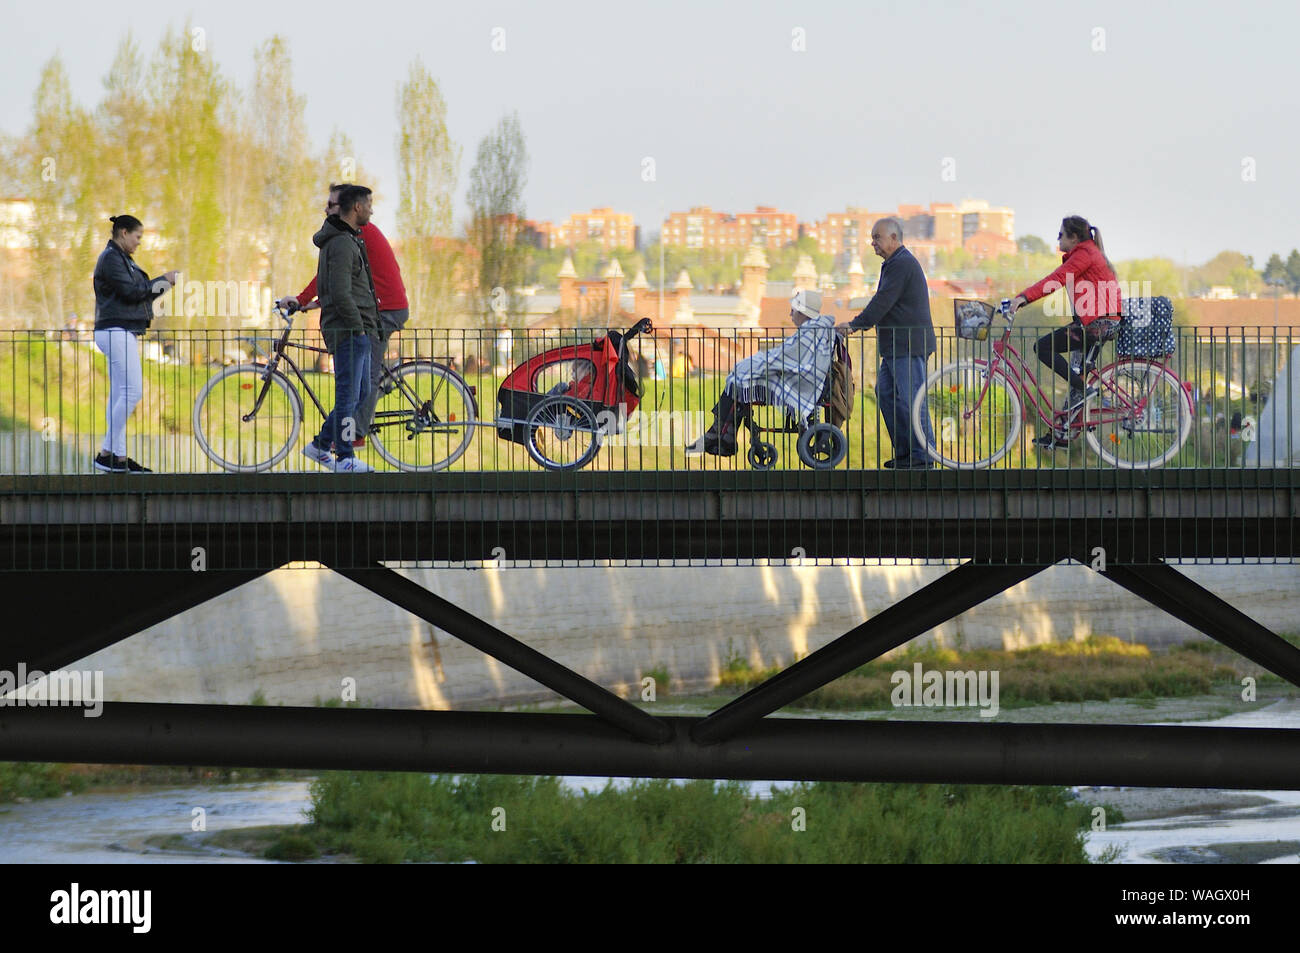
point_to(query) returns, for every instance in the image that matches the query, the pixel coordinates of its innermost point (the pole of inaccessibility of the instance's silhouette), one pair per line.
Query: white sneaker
(353, 465)
(315, 453)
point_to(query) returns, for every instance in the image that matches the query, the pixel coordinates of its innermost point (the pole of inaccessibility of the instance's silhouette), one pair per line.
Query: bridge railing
(1232, 390)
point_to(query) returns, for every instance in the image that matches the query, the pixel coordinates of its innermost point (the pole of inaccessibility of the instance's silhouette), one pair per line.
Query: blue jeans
(896, 386)
(351, 380)
(390, 322)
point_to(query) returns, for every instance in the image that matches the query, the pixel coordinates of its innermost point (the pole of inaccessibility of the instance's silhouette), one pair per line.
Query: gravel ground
(1142, 804)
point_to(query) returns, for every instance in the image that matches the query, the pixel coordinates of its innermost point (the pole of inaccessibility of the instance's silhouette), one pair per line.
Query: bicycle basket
(973, 318)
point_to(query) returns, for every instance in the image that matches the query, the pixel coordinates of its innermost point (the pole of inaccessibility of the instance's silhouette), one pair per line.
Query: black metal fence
(537, 448)
(1223, 399)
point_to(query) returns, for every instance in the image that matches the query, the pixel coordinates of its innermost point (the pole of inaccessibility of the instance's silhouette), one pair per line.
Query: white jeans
(125, 383)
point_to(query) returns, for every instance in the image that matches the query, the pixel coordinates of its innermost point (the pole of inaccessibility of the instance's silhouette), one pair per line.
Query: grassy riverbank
(1100, 668)
(28, 780)
(378, 817)
(390, 818)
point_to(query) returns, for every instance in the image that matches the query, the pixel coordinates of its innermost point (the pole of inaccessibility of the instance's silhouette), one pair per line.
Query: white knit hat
(807, 303)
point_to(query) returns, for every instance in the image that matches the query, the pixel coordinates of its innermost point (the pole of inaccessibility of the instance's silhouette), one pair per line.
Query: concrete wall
(295, 634)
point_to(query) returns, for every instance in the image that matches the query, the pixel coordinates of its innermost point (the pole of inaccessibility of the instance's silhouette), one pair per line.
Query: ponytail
(1096, 237)
(1077, 227)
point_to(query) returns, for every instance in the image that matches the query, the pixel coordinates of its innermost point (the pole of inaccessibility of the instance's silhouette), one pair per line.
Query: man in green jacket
(349, 320)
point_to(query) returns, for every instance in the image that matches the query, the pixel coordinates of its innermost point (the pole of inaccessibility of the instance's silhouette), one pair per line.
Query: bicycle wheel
(975, 420)
(424, 417)
(244, 422)
(562, 433)
(1143, 415)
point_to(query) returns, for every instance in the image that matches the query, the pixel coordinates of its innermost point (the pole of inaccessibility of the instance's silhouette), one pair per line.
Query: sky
(1172, 126)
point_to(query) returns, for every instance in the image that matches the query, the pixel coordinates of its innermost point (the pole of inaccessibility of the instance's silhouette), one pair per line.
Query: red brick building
(704, 228)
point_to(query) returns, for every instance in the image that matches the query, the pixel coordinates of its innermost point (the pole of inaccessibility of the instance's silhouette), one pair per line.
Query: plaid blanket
(792, 374)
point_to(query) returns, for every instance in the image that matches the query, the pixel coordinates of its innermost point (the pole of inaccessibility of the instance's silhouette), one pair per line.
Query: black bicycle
(248, 417)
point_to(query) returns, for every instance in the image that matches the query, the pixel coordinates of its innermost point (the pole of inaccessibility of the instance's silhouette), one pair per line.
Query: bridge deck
(1001, 516)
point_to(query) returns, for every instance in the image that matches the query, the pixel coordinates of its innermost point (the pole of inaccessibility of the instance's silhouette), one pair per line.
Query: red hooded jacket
(1088, 281)
(383, 266)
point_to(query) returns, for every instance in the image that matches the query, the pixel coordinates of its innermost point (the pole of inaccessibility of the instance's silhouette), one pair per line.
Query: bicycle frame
(278, 349)
(1007, 360)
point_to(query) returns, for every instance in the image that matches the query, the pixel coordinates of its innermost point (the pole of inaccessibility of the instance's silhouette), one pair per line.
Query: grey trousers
(390, 322)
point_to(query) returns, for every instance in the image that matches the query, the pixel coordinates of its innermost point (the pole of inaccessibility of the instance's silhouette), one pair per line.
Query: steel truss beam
(56, 618)
(945, 598)
(419, 601)
(773, 748)
(736, 741)
(1185, 599)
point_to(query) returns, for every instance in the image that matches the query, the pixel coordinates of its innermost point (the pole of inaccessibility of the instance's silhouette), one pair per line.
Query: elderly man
(900, 313)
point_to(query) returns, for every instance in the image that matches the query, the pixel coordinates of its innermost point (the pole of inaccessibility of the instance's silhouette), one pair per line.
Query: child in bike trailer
(1094, 293)
(791, 375)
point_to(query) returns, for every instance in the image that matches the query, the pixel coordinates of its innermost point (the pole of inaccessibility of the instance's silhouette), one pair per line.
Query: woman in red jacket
(1090, 284)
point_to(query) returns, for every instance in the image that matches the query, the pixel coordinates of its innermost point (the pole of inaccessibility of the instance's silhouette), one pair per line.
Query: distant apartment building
(984, 245)
(942, 226)
(611, 229)
(704, 228)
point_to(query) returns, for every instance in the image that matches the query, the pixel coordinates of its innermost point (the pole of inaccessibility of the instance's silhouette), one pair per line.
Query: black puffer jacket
(124, 294)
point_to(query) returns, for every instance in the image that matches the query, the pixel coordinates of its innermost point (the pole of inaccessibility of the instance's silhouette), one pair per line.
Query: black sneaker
(108, 463)
(133, 467)
(1052, 440)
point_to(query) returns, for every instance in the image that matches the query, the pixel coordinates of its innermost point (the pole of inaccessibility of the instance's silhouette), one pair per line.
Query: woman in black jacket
(124, 297)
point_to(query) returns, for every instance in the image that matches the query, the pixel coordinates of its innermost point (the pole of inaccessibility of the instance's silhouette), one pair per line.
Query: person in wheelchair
(1094, 293)
(791, 375)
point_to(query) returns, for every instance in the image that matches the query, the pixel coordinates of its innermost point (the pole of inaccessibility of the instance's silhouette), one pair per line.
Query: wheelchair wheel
(562, 433)
(762, 456)
(822, 446)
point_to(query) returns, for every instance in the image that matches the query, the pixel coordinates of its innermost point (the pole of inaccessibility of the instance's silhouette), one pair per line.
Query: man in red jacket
(394, 310)
(1094, 293)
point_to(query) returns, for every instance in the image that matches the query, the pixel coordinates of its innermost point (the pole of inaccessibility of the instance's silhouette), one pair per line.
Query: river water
(112, 827)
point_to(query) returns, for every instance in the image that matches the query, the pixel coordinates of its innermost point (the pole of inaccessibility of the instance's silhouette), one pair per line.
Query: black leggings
(1054, 349)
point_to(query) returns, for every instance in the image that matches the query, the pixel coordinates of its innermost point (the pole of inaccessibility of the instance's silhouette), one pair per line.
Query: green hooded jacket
(344, 283)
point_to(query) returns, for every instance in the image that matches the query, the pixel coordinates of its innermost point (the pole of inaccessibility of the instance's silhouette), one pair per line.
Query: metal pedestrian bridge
(152, 546)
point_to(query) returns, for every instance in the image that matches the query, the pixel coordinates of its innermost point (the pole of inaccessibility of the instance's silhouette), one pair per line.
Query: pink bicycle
(1137, 414)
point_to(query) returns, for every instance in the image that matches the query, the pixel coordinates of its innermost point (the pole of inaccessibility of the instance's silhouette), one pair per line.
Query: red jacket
(383, 265)
(1088, 281)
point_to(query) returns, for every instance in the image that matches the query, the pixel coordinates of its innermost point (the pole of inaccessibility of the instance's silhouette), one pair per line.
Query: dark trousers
(1054, 350)
(896, 385)
(390, 322)
(351, 378)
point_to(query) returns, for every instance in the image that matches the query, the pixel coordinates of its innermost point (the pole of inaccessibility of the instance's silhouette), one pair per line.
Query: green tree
(1225, 268)
(428, 163)
(188, 100)
(288, 197)
(496, 200)
(57, 159)
(1293, 270)
(1275, 269)
(1245, 280)
(1165, 276)
(125, 153)
(1033, 245)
